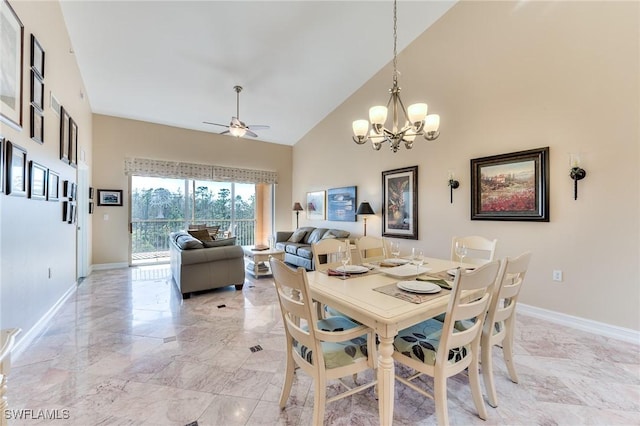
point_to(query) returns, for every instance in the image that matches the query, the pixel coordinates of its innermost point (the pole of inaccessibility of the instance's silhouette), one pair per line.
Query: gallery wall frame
(316, 205)
(341, 204)
(37, 181)
(37, 57)
(2, 166)
(16, 170)
(37, 90)
(53, 186)
(73, 142)
(12, 48)
(110, 197)
(37, 125)
(513, 186)
(64, 135)
(400, 203)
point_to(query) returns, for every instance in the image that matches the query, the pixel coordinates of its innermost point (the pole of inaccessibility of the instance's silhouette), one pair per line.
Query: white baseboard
(42, 323)
(599, 328)
(104, 266)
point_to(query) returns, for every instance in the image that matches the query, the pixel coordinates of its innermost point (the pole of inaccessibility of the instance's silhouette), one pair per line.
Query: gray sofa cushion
(316, 235)
(297, 236)
(221, 242)
(305, 251)
(187, 242)
(338, 233)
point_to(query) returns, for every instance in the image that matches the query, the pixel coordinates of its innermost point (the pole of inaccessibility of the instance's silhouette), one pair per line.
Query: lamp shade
(365, 208)
(297, 207)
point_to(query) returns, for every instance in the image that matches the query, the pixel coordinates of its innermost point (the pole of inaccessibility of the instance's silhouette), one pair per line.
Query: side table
(257, 261)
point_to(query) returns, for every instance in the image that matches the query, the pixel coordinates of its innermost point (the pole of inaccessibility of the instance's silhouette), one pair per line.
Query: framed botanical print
(11, 46)
(37, 181)
(315, 205)
(512, 186)
(400, 203)
(16, 170)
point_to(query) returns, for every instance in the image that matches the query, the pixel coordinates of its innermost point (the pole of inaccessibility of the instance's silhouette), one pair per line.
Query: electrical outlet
(557, 275)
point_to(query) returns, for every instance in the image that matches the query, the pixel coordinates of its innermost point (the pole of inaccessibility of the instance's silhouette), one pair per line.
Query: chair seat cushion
(466, 324)
(337, 354)
(421, 342)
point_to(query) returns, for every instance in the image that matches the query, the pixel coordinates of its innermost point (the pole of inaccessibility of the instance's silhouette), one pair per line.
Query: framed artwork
(91, 192)
(73, 142)
(53, 186)
(400, 203)
(1, 164)
(37, 90)
(11, 48)
(37, 181)
(315, 205)
(66, 211)
(37, 57)
(64, 135)
(511, 186)
(73, 214)
(341, 204)
(109, 197)
(16, 170)
(37, 125)
(91, 207)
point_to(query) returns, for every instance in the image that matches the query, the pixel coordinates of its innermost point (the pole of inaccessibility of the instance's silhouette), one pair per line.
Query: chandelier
(416, 120)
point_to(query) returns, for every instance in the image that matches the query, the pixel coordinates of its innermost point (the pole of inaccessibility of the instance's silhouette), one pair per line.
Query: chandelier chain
(395, 43)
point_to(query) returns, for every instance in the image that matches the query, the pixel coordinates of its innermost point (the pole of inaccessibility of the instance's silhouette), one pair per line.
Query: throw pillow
(328, 235)
(297, 236)
(201, 234)
(220, 242)
(187, 242)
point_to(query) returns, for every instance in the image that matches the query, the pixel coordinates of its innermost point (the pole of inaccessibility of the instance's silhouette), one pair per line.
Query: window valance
(178, 170)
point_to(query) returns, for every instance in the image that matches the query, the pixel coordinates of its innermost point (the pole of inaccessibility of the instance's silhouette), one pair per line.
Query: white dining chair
(326, 349)
(326, 253)
(499, 326)
(440, 350)
(478, 250)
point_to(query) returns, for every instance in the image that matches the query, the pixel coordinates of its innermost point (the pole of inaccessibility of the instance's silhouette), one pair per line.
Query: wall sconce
(577, 173)
(365, 209)
(297, 207)
(453, 184)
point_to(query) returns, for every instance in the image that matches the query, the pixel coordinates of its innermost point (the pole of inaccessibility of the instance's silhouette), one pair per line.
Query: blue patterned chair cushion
(421, 342)
(337, 354)
(465, 324)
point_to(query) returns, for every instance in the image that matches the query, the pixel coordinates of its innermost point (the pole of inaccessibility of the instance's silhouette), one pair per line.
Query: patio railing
(150, 238)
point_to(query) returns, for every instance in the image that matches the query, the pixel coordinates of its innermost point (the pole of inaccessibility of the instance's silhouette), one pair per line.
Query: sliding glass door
(160, 206)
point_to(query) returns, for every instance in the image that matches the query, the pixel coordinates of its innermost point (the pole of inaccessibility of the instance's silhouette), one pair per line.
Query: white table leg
(386, 380)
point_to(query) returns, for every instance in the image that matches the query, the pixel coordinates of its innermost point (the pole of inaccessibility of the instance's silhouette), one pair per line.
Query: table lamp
(365, 209)
(297, 207)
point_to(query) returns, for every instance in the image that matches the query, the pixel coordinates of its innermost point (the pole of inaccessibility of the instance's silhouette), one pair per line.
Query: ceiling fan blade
(225, 132)
(250, 133)
(258, 127)
(215, 124)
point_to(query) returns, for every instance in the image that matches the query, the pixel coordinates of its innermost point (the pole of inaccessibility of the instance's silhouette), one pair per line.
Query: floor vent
(222, 306)
(256, 348)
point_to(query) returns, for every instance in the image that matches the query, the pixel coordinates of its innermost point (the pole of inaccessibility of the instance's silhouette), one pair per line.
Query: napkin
(438, 282)
(334, 273)
(387, 265)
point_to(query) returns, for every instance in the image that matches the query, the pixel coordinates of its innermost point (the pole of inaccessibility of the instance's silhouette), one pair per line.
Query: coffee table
(258, 260)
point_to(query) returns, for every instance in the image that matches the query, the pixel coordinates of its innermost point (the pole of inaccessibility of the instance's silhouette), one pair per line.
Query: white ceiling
(176, 62)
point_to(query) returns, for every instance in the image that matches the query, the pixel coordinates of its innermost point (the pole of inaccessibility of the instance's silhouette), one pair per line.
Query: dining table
(359, 296)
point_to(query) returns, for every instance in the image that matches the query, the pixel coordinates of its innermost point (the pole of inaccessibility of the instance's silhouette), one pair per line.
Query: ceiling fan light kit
(238, 128)
(416, 120)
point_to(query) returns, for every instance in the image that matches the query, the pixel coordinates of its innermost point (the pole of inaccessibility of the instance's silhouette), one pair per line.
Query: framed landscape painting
(512, 186)
(400, 203)
(109, 197)
(315, 205)
(341, 204)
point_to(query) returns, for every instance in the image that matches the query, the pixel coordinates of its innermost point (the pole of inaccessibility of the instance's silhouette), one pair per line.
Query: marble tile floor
(125, 349)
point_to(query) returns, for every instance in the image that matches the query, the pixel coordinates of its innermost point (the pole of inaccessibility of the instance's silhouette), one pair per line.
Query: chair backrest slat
(370, 249)
(325, 253)
(480, 250)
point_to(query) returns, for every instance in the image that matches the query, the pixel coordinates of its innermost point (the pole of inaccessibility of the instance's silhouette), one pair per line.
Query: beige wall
(33, 236)
(510, 76)
(116, 139)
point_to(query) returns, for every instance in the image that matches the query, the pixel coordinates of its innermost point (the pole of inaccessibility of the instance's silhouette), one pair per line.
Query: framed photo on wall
(512, 186)
(315, 205)
(73, 142)
(16, 170)
(53, 186)
(12, 46)
(37, 181)
(37, 125)
(400, 203)
(341, 204)
(37, 57)
(37, 90)
(109, 197)
(64, 135)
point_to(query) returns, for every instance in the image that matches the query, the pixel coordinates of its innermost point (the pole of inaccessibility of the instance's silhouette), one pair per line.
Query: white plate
(352, 269)
(404, 271)
(419, 287)
(396, 261)
(452, 272)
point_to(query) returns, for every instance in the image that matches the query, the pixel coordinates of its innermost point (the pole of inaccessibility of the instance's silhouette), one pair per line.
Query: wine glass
(461, 250)
(417, 258)
(395, 249)
(344, 254)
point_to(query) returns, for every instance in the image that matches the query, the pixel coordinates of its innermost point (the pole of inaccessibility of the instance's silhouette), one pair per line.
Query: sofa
(198, 265)
(297, 244)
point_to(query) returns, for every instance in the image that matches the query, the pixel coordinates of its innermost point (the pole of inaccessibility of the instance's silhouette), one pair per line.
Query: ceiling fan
(238, 128)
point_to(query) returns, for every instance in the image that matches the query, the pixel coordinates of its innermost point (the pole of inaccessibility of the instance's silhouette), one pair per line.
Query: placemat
(343, 276)
(394, 291)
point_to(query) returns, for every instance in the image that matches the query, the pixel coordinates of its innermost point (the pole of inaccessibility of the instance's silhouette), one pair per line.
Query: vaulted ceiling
(176, 62)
